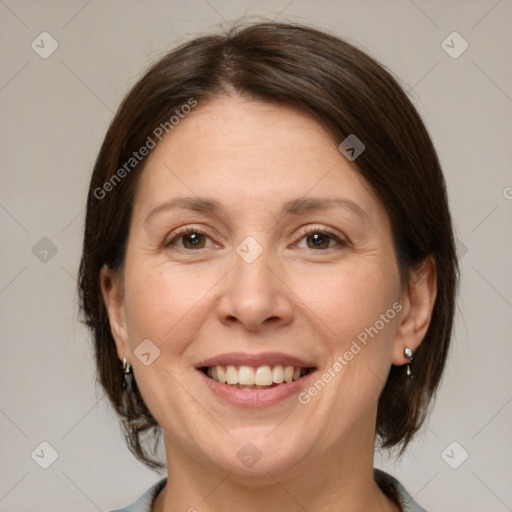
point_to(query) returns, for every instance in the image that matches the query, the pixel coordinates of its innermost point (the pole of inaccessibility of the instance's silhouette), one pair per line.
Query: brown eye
(321, 239)
(318, 241)
(189, 239)
(193, 240)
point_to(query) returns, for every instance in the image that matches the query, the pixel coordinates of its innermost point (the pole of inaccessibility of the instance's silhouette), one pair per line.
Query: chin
(253, 457)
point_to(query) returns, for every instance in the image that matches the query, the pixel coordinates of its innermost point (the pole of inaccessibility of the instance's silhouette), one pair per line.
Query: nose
(254, 296)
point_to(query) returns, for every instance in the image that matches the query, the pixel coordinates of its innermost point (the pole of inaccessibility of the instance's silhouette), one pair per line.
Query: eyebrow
(292, 207)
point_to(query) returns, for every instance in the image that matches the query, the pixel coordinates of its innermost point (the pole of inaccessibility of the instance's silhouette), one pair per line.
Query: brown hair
(348, 92)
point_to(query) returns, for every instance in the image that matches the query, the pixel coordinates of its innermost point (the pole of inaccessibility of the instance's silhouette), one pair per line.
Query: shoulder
(395, 490)
(144, 502)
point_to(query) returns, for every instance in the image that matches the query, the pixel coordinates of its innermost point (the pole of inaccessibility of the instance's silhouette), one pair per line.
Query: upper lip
(255, 360)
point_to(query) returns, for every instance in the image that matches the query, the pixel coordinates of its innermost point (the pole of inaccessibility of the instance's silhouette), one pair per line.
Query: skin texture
(295, 298)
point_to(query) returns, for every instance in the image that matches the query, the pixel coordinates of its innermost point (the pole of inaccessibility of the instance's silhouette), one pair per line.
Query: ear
(113, 297)
(418, 302)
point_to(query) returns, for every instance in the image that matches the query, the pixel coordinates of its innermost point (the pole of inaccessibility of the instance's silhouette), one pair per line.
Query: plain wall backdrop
(55, 109)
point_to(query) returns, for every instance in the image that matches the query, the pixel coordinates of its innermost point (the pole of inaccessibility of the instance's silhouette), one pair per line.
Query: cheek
(168, 304)
(166, 307)
(349, 302)
(161, 303)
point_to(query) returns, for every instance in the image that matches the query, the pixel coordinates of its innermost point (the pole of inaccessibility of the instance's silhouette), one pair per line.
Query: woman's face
(229, 265)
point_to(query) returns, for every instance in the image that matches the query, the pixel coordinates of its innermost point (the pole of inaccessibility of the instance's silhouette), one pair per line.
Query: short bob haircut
(346, 91)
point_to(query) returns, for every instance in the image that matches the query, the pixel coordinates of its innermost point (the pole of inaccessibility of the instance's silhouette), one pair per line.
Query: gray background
(54, 115)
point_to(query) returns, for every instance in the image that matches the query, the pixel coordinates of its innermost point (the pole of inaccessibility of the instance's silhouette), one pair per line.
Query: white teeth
(278, 374)
(247, 377)
(263, 376)
(231, 375)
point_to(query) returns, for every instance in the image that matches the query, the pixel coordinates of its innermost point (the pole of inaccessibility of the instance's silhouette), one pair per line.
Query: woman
(269, 273)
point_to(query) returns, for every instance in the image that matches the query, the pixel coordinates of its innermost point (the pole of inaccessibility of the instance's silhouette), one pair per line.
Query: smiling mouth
(261, 377)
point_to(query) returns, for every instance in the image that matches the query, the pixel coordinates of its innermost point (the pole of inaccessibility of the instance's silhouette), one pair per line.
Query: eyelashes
(194, 239)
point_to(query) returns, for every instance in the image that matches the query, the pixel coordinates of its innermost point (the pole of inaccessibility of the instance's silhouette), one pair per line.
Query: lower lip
(256, 397)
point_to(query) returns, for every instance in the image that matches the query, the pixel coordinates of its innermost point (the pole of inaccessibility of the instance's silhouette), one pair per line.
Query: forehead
(249, 154)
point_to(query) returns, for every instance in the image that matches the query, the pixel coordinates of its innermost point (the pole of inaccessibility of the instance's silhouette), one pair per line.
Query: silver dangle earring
(127, 376)
(409, 353)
